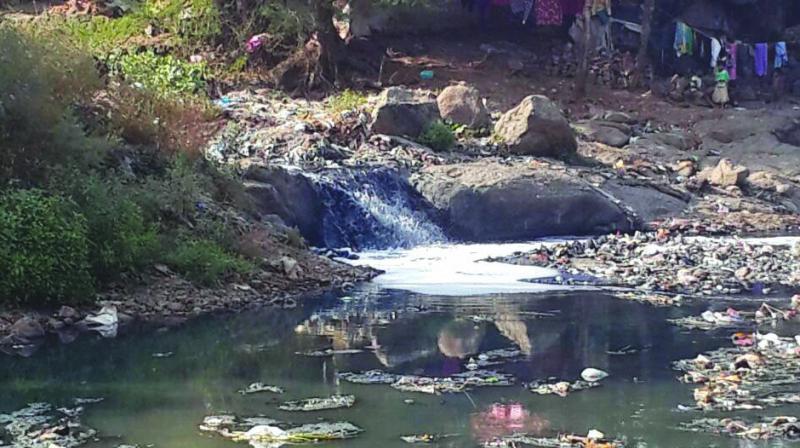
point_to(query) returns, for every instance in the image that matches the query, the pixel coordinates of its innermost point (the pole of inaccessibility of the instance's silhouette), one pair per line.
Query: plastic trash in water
(106, 322)
(426, 75)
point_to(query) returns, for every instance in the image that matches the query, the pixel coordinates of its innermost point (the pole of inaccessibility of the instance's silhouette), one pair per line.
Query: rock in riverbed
(536, 127)
(404, 112)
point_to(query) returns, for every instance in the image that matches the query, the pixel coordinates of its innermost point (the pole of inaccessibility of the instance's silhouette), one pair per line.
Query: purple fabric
(731, 49)
(761, 59)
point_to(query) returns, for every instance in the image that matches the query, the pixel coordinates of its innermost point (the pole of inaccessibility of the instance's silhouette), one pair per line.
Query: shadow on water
(161, 400)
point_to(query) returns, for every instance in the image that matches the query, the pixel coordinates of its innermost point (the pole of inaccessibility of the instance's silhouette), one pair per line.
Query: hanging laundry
(781, 55)
(731, 63)
(761, 59)
(522, 7)
(716, 49)
(571, 7)
(684, 39)
(548, 12)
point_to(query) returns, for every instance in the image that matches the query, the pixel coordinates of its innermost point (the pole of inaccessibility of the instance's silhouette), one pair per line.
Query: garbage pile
(41, 425)
(595, 439)
(763, 371)
(676, 264)
(262, 432)
(782, 427)
(459, 382)
(732, 318)
(319, 404)
(560, 388)
(652, 298)
(255, 388)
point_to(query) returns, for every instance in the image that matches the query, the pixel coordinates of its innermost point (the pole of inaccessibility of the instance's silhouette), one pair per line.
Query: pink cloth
(548, 12)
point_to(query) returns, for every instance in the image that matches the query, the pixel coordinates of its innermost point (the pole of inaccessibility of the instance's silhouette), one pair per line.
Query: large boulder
(536, 127)
(25, 330)
(725, 174)
(404, 112)
(462, 104)
(608, 133)
(489, 201)
(288, 194)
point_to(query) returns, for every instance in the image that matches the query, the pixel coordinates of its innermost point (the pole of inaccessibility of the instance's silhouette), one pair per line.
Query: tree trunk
(583, 65)
(641, 58)
(331, 44)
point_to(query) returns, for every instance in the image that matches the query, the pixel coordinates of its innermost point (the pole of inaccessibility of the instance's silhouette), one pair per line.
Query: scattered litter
(652, 298)
(593, 375)
(262, 432)
(731, 318)
(39, 425)
(426, 438)
(105, 322)
(764, 373)
(319, 404)
(369, 377)
(431, 385)
(561, 441)
(260, 387)
(772, 428)
(329, 352)
(561, 388)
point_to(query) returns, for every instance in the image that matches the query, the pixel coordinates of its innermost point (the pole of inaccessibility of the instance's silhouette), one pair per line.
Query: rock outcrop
(289, 195)
(489, 201)
(536, 127)
(725, 174)
(462, 104)
(404, 112)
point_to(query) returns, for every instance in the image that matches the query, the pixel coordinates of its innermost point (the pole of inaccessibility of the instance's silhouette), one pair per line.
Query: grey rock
(402, 111)
(536, 127)
(488, 201)
(725, 174)
(607, 135)
(619, 117)
(290, 195)
(462, 104)
(26, 329)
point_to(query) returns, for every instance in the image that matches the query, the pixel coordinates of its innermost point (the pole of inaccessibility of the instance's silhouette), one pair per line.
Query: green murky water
(159, 401)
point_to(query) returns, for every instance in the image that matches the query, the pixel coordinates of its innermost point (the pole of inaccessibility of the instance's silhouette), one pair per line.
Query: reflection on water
(160, 401)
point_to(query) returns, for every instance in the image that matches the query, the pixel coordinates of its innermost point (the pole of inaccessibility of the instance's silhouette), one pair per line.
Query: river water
(434, 310)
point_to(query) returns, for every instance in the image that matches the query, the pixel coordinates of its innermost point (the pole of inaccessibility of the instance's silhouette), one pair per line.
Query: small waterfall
(373, 209)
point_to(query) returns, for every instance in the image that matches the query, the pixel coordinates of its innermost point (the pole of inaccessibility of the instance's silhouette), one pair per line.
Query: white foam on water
(456, 269)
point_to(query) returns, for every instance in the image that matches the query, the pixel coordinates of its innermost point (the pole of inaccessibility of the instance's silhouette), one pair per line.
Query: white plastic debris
(593, 375)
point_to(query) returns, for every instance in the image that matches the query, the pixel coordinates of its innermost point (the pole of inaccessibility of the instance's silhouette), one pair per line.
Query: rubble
(659, 261)
(319, 404)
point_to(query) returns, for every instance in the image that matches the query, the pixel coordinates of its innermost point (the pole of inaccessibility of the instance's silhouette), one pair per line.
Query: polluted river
(445, 348)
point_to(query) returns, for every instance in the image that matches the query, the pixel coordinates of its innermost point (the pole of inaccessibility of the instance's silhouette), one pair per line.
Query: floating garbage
(772, 428)
(260, 387)
(105, 322)
(562, 441)
(40, 425)
(731, 318)
(319, 404)
(329, 352)
(764, 374)
(561, 388)
(593, 375)
(652, 298)
(432, 385)
(426, 438)
(262, 432)
(497, 357)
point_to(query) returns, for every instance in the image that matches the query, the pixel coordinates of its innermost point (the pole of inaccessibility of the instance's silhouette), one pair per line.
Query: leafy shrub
(438, 137)
(177, 194)
(99, 35)
(164, 75)
(119, 238)
(346, 101)
(205, 262)
(44, 249)
(40, 82)
(194, 22)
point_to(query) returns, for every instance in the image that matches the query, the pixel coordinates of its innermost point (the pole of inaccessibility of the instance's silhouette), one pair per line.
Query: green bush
(164, 75)
(119, 238)
(44, 249)
(40, 83)
(346, 101)
(205, 262)
(438, 137)
(176, 194)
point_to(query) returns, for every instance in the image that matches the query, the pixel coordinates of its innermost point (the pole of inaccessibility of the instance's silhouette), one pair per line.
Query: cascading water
(373, 209)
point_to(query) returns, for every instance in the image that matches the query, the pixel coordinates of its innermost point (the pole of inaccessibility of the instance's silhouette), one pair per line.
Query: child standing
(720, 95)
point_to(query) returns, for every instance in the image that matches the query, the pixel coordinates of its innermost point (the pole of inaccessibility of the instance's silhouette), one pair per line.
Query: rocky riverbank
(162, 298)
